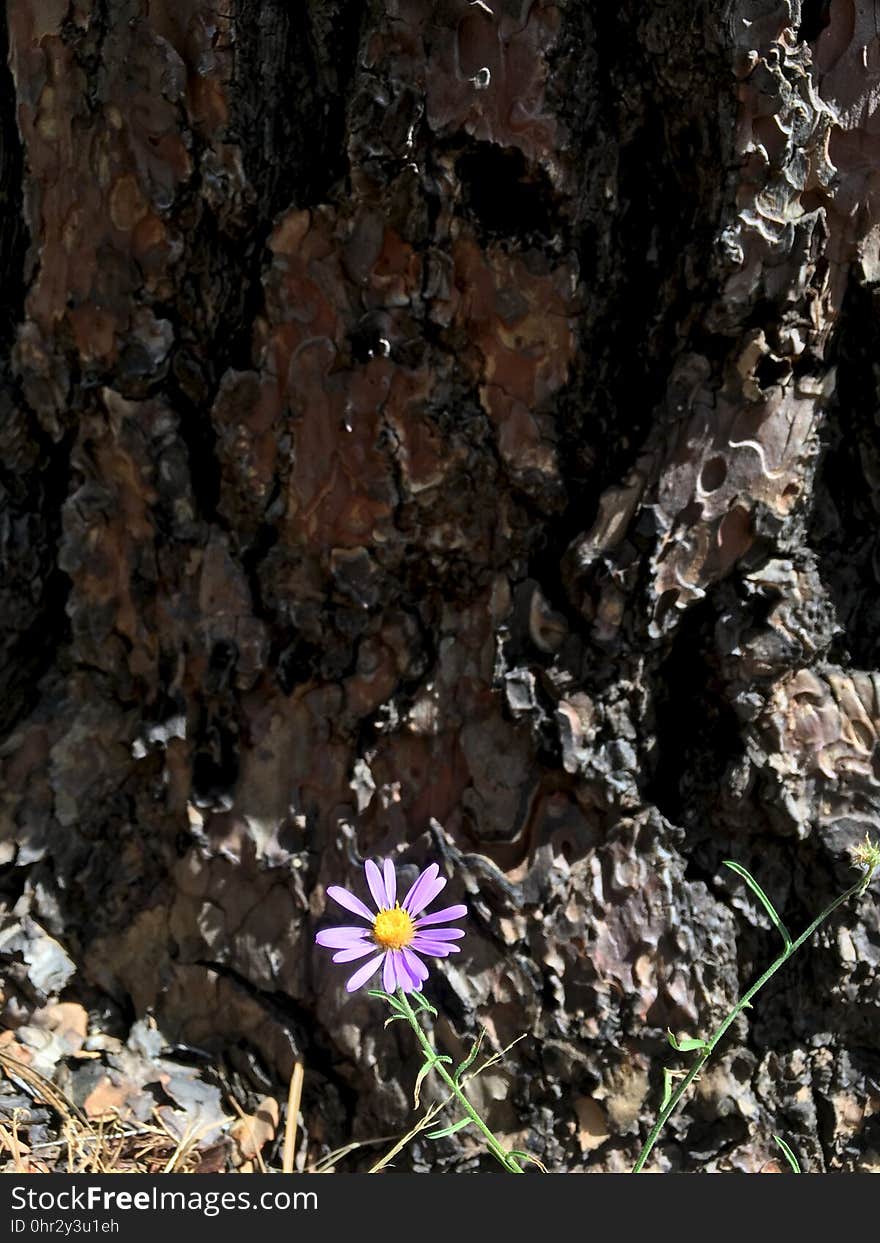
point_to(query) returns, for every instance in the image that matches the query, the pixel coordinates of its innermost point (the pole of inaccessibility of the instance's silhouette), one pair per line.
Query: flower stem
(494, 1145)
(673, 1102)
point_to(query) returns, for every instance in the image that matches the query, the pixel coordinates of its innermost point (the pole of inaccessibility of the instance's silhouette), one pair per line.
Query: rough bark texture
(444, 430)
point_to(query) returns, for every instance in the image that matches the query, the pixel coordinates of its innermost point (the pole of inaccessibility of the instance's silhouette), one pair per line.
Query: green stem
(495, 1147)
(673, 1102)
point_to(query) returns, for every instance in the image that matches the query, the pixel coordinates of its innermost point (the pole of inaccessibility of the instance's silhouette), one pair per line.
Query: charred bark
(443, 430)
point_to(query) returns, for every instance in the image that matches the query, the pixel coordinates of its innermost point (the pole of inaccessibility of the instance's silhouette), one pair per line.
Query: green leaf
(789, 1155)
(424, 1004)
(449, 1130)
(392, 1001)
(394, 1019)
(471, 1057)
(426, 1068)
(668, 1077)
(527, 1156)
(763, 899)
(687, 1045)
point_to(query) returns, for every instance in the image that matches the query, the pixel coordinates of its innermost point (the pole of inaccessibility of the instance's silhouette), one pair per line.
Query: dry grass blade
(430, 1114)
(293, 1099)
(249, 1124)
(9, 1140)
(439, 1106)
(494, 1059)
(184, 1145)
(326, 1164)
(39, 1087)
(180, 1153)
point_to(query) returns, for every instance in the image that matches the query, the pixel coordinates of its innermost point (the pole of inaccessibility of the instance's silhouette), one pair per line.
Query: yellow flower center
(393, 929)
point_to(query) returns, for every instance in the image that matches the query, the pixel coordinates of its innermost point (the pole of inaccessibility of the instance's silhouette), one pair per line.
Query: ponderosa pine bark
(445, 430)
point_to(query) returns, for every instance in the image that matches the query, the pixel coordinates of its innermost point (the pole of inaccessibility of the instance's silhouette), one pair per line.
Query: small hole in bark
(742, 1068)
(815, 16)
(221, 663)
(812, 200)
(368, 340)
(566, 849)
(770, 370)
(692, 513)
(713, 475)
(222, 654)
(214, 775)
(505, 196)
(296, 663)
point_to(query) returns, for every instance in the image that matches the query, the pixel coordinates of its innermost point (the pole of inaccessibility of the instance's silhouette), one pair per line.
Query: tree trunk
(445, 431)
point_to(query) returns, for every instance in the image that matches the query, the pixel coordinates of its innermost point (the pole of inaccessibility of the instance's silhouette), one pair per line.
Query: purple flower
(397, 930)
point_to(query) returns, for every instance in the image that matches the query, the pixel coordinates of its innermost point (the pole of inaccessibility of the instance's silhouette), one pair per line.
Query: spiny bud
(866, 855)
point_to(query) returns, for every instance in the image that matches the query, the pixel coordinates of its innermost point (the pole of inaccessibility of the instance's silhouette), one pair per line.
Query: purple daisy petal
(426, 895)
(430, 872)
(341, 938)
(350, 902)
(389, 974)
(425, 890)
(405, 978)
(437, 949)
(363, 973)
(354, 952)
(415, 966)
(377, 885)
(444, 934)
(441, 917)
(390, 876)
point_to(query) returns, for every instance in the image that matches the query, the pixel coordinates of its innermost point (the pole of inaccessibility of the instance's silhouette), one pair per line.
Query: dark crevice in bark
(815, 16)
(36, 621)
(216, 762)
(253, 556)
(843, 526)
(201, 445)
(697, 732)
(826, 1126)
(205, 348)
(294, 659)
(710, 1138)
(506, 198)
(14, 238)
(298, 1020)
(34, 471)
(289, 97)
(641, 239)
(13, 883)
(630, 383)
